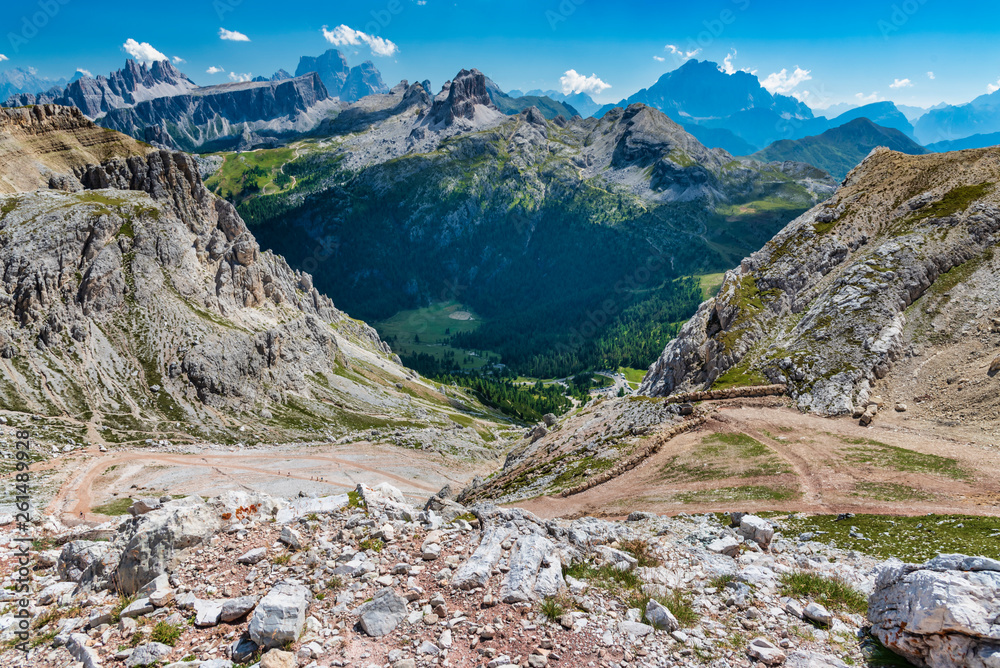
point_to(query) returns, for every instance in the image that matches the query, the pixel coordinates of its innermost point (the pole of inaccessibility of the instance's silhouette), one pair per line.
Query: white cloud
(346, 36)
(727, 66)
(901, 83)
(240, 77)
(868, 99)
(680, 52)
(574, 82)
(992, 88)
(143, 51)
(3, 58)
(215, 70)
(84, 72)
(784, 83)
(178, 60)
(930, 75)
(232, 35)
(659, 59)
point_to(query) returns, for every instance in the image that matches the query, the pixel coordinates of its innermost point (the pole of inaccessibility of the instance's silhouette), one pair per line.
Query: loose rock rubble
(365, 579)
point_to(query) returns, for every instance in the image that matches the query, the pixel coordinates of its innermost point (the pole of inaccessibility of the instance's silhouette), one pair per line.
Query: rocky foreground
(366, 579)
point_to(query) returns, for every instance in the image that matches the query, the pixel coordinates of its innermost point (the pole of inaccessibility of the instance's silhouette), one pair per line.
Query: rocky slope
(367, 578)
(134, 83)
(900, 264)
(137, 302)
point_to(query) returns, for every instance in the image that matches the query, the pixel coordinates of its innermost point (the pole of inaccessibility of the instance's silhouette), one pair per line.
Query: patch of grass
(282, 559)
(721, 581)
(710, 284)
(641, 550)
(604, 577)
(832, 593)
(113, 508)
(721, 456)
(373, 544)
(677, 602)
(166, 633)
(893, 457)
(912, 539)
(746, 493)
(954, 201)
(354, 500)
(123, 602)
(429, 330)
(334, 583)
(552, 608)
(889, 491)
(740, 375)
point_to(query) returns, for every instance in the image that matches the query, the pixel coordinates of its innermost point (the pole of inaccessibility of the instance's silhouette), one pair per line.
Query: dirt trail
(828, 473)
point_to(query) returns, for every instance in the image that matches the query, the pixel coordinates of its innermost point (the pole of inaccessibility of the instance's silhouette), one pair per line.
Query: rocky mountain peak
(341, 80)
(460, 97)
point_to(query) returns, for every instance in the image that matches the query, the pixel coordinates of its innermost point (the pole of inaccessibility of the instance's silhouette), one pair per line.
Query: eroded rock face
(86, 561)
(941, 614)
(821, 307)
(142, 268)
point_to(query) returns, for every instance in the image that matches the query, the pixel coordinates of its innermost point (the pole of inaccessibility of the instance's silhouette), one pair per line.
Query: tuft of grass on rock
(166, 633)
(552, 608)
(642, 551)
(832, 593)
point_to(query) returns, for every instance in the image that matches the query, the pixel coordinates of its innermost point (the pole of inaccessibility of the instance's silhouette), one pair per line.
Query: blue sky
(830, 52)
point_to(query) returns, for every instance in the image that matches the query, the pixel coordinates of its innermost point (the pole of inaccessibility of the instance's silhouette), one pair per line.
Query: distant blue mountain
(582, 102)
(975, 141)
(979, 117)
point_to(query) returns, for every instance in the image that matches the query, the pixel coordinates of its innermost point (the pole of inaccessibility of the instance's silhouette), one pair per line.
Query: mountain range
(536, 220)
(26, 80)
(583, 103)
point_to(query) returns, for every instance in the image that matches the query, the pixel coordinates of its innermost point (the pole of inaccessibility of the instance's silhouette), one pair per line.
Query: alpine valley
(315, 369)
